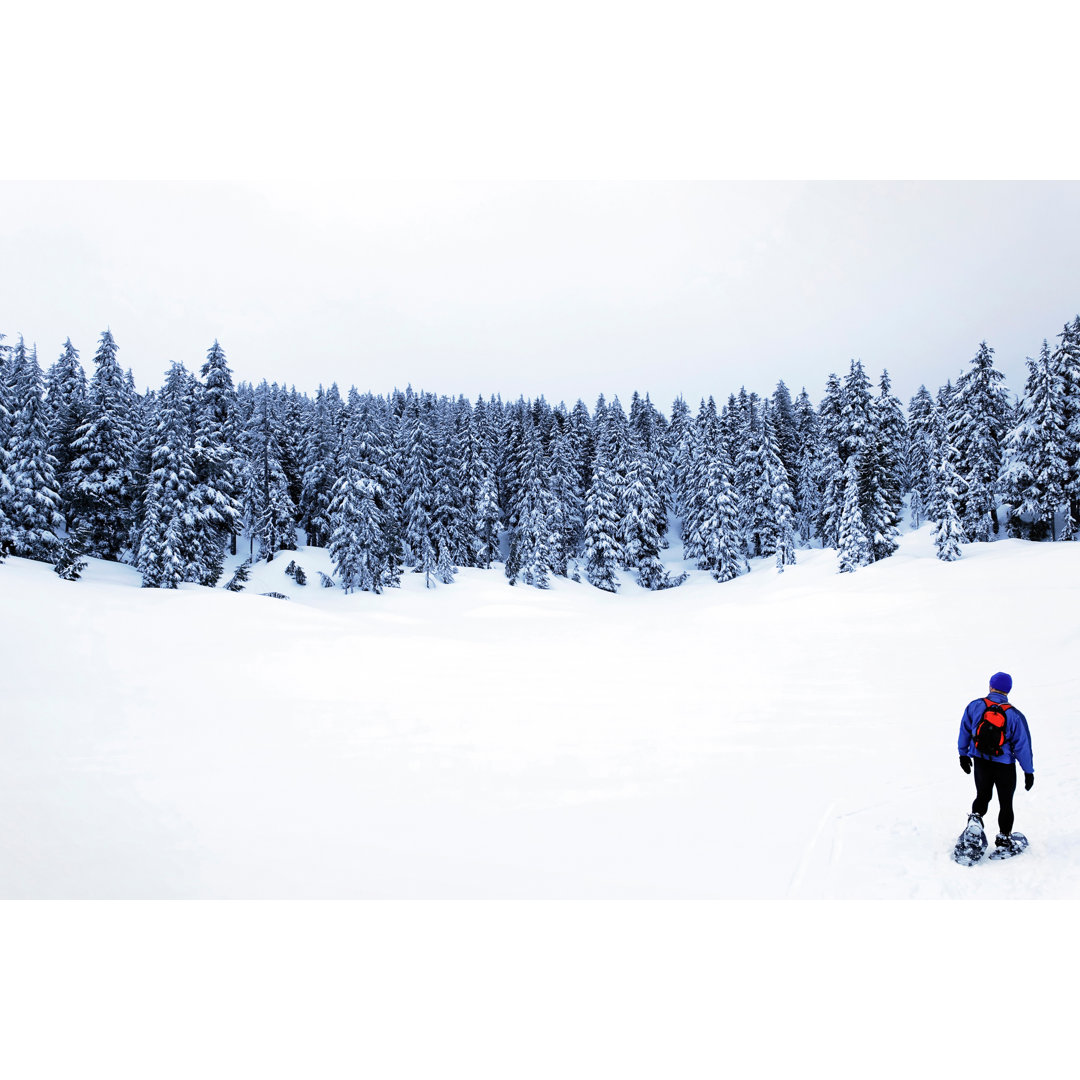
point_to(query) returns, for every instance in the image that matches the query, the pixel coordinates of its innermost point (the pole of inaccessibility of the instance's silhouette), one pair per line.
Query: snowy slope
(779, 735)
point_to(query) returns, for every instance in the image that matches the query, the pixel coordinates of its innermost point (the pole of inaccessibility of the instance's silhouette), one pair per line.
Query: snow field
(775, 736)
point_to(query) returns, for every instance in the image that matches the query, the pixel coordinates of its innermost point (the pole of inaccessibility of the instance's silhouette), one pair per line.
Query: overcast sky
(181, 179)
(561, 289)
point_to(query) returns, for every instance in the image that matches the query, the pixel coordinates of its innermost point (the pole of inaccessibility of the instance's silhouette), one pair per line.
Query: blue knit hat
(1001, 682)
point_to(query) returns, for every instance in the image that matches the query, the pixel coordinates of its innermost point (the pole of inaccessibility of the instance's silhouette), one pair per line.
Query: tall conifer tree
(534, 543)
(66, 400)
(853, 549)
(33, 503)
(102, 482)
(721, 539)
(948, 530)
(418, 484)
(602, 548)
(1036, 469)
(808, 487)
(977, 419)
(169, 544)
(215, 464)
(269, 511)
(921, 458)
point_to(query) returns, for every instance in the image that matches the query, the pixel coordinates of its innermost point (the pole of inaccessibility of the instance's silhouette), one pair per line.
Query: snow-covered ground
(779, 735)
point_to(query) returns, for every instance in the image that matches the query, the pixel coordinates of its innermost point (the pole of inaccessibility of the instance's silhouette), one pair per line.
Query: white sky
(238, 174)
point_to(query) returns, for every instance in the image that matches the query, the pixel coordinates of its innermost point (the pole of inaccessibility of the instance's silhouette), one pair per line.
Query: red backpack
(990, 730)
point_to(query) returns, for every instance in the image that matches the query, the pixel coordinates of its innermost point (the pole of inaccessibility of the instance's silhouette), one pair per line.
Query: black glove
(965, 763)
(1029, 779)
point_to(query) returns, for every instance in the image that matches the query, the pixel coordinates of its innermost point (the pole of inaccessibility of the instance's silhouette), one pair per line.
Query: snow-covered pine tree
(940, 446)
(289, 412)
(101, 474)
(602, 548)
(66, 391)
(778, 516)
(8, 365)
(398, 427)
(447, 518)
(144, 424)
(977, 422)
(169, 544)
(155, 560)
(141, 411)
(856, 413)
(857, 434)
(240, 577)
(12, 357)
(418, 489)
(1066, 360)
(786, 436)
(853, 549)
(648, 430)
(644, 422)
(5, 361)
(335, 407)
(460, 442)
(534, 541)
(360, 525)
(659, 466)
(831, 470)
(370, 445)
(702, 448)
(746, 437)
(613, 441)
(569, 503)
(921, 457)
(543, 421)
(219, 394)
(33, 502)
(511, 461)
(376, 437)
(808, 452)
(6, 407)
(678, 447)
(948, 530)
(215, 503)
(465, 444)
(1036, 469)
(883, 477)
(483, 488)
(319, 453)
(643, 519)
(241, 420)
(759, 474)
(69, 563)
(871, 432)
(583, 443)
(270, 516)
(722, 540)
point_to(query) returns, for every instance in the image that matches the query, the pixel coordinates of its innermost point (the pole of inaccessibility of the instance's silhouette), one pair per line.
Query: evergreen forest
(173, 481)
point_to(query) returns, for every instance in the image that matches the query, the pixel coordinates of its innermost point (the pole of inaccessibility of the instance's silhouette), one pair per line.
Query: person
(997, 771)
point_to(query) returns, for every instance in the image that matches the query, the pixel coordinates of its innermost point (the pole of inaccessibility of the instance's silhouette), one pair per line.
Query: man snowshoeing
(994, 736)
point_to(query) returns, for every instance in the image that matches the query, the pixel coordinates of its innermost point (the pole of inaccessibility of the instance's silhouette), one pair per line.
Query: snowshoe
(971, 844)
(1005, 847)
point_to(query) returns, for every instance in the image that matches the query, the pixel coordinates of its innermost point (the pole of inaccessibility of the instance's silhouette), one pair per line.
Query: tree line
(171, 481)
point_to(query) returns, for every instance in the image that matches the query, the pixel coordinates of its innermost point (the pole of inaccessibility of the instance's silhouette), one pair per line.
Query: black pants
(990, 775)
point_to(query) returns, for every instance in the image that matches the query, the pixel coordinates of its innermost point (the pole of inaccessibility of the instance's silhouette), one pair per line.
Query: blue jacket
(1017, 736)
